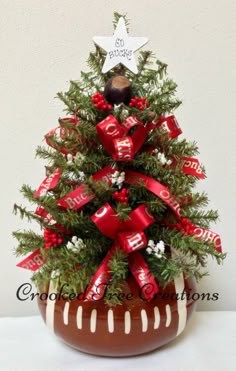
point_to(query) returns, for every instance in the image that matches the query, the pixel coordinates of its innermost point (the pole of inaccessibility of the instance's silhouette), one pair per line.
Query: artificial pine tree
(116, 158)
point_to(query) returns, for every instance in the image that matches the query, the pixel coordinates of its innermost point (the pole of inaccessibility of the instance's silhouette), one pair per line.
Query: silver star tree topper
(120, 48)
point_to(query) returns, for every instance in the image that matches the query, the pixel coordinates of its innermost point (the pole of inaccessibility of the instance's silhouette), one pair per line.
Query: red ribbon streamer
(208, 235)
(45, 215)
(129, 237)
(155, 187)
(200, 233)
(60, 133)
(115, 138)
(49, 183)
(101, 279)
(78, 197)
(192, 166)
(33, 261)
(143, 276)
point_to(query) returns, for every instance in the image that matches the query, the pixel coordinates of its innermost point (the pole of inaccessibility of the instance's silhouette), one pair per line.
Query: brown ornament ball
(118, 90)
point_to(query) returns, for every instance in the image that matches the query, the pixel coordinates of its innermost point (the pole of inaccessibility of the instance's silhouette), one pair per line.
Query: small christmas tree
(118, 197)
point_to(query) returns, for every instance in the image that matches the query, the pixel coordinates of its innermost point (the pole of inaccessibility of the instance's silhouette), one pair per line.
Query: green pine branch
(86, 155)
(29, 241)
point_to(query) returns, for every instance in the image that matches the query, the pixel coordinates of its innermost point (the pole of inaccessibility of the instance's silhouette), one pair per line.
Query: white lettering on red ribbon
(130, 122)
(135, 241)
(76, 201)
(166, 196)
(45, 215)
(112, 129)
(145, 279)
(169, 125)
(209, 236)
(33, 261)
(115, 139)
(124, 149)
(101, 278)
(192, 166)
(48, 183)
(101, 212)
(78, 197)
(132, 177)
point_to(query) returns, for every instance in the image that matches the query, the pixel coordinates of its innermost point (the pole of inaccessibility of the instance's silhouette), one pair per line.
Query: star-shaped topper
(120, 48)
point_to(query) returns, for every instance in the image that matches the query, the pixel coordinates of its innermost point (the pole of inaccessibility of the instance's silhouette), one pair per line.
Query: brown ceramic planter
(135, 327)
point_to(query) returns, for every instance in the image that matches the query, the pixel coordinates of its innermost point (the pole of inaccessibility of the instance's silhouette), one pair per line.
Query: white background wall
(44, 44)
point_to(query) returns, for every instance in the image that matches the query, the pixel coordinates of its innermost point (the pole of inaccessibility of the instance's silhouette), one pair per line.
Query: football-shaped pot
(136, 326)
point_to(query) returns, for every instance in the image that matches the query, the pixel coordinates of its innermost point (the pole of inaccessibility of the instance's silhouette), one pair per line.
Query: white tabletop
(208, 343)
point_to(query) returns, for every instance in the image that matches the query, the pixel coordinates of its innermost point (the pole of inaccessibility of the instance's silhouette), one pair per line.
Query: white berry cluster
(77, 177)
(70, 159)
(120, 108)
(75, 244)
(117, 107)
(89, 91)
(162, 158)
(55, 274)
(157, 249)
(78, 159)
(152, 89)
(118, 178)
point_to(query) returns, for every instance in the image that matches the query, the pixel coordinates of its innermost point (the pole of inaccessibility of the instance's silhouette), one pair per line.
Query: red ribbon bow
(128, 236)
(115, 138)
